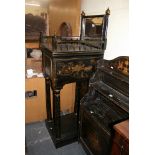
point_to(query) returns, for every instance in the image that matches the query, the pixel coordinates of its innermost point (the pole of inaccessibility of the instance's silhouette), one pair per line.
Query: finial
(83, 13)
(107, 11)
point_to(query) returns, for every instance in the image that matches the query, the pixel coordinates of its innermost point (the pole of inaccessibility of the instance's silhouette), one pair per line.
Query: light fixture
(32, 4)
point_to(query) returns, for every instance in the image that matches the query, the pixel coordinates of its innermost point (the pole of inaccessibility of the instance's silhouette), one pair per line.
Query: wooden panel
(64, 11)
(35, 108)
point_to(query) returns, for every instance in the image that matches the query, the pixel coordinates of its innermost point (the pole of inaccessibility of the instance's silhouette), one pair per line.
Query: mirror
(93, 27)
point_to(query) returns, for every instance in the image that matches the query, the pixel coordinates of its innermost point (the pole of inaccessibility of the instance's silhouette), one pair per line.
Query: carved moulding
(120, 64)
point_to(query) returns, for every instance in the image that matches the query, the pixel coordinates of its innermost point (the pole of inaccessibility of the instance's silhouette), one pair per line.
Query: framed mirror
(93, 26)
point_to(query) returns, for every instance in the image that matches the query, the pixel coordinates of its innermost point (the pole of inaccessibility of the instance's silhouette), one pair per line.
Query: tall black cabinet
(67, 60)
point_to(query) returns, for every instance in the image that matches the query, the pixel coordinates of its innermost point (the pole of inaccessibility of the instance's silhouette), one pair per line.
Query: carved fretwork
(56, 114)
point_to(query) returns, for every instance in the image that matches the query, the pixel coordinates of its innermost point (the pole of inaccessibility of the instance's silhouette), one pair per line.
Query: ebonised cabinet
(67, 60)
(104, 106)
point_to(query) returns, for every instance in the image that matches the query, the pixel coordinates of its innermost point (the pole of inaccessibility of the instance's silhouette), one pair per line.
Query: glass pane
(93, 27)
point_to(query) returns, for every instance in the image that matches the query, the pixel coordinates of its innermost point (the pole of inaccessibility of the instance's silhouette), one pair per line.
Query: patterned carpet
(39, 142)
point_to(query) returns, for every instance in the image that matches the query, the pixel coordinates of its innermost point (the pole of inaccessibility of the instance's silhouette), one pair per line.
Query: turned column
(77, 97)
(56, 112)
(81, 90)
(48, 99)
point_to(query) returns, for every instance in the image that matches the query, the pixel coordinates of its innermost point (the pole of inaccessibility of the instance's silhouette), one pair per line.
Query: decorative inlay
(76, 69)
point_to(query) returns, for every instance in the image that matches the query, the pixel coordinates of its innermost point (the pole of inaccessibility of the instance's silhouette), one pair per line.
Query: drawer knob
(91, 112)
(110, 95)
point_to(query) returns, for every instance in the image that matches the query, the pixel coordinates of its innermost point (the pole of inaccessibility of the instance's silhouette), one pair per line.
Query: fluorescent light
(32, 4)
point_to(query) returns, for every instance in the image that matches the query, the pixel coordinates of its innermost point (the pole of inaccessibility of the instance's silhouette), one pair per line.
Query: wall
(117, 36)
(64, 11)
(35, 10)
(67, 98)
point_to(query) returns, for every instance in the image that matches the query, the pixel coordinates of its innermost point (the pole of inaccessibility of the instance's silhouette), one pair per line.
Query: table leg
(48, 99)
(56, 113)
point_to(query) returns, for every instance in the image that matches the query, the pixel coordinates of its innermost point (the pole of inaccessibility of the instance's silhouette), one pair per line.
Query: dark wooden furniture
(105, 105)
(120, 144)
(66, 60)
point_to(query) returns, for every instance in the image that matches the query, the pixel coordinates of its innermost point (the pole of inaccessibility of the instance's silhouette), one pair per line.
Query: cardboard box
(35, 64)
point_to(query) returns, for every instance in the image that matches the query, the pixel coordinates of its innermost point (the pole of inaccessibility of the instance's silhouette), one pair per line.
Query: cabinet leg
(48, 99)
(56, 113)
(81, 90)
(77, 97)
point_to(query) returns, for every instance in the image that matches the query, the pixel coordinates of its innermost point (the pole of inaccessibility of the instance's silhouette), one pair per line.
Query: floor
(39, 142)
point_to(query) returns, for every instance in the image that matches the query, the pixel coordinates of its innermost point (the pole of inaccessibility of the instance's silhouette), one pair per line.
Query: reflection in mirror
(93, 27)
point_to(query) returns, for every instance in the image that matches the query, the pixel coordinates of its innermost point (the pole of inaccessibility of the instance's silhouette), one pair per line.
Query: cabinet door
(95, 138)
(35, 108)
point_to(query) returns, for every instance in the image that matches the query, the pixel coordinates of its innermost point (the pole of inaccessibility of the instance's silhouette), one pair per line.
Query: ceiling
(43, 3)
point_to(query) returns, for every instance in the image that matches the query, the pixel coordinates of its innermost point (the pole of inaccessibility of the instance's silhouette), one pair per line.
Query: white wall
(117, 35)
